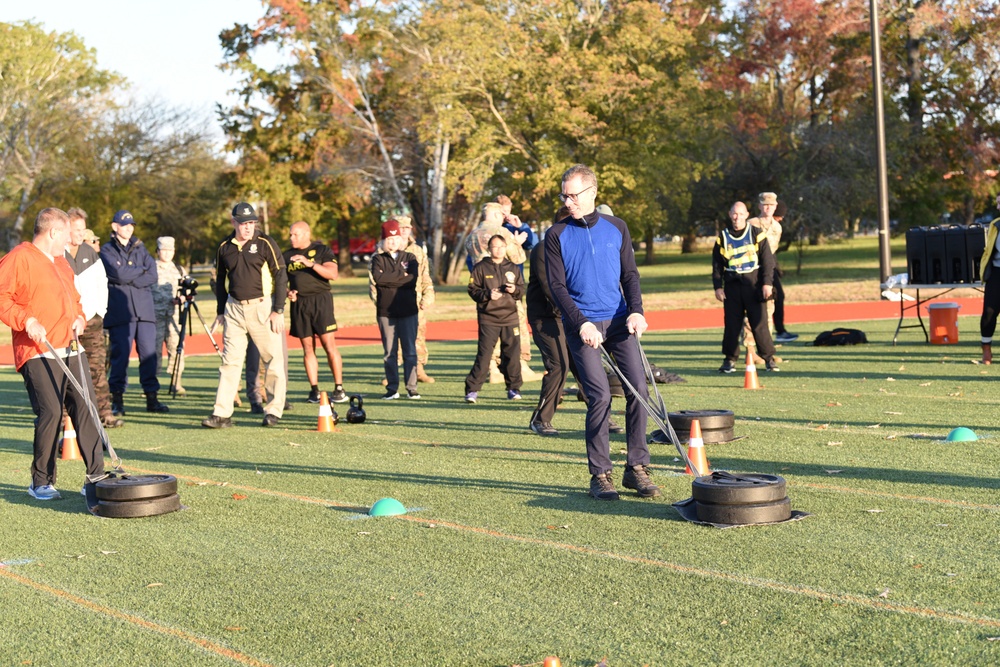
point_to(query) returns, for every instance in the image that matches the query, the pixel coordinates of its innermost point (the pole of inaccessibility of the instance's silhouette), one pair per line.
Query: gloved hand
(590, 335)
(636, 324)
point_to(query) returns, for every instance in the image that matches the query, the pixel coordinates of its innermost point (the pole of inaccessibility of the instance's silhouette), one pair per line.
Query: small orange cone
(750, 380)
(70, 447)
(326, 422)
(696, 452)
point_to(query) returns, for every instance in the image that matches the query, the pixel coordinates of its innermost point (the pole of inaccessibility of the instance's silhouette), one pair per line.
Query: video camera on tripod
(187, 288)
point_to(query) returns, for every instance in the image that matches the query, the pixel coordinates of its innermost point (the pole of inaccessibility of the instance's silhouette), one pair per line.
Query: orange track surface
(666, 320)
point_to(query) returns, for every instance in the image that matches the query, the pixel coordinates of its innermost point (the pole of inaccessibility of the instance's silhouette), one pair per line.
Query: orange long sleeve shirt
(33, 285)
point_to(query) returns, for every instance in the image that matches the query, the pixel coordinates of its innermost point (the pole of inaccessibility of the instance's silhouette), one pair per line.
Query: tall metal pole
(885, 256)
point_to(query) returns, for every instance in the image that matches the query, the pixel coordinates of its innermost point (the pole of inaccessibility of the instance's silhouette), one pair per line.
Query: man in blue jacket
(131, 275)
(595, 283)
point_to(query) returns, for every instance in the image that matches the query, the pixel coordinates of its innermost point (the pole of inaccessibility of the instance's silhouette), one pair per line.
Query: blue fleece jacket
(591, 269)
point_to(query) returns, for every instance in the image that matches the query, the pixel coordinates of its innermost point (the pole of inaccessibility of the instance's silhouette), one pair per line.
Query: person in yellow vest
(742, 274)
(989, 269)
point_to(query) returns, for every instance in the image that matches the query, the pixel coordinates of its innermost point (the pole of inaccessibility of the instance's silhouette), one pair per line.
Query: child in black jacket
(496, 285)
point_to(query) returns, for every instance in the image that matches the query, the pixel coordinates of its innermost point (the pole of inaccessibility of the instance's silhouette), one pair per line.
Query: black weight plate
(136, 487)
(710, 420)
(737, 515)
(746, 489)
(713, 437)
(137, 508)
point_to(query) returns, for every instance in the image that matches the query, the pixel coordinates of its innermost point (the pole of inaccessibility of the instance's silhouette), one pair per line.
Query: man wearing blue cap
(131, 276)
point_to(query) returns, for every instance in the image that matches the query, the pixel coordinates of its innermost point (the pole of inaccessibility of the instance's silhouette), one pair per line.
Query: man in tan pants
(250, 291)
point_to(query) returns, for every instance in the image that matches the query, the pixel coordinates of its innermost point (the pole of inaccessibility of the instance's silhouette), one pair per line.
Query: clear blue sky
(165, 48)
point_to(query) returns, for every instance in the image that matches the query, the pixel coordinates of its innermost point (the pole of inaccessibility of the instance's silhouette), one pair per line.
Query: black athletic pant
(991, 305)
(743, 298)
(779, 302)
(47, 384)
(550, 338)
(594, 382)
(510, 356)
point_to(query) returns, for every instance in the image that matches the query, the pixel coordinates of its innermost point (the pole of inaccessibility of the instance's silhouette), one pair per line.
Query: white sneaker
(47, 492)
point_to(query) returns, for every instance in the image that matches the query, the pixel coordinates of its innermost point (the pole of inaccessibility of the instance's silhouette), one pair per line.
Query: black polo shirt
(251, 271)
(304, 279)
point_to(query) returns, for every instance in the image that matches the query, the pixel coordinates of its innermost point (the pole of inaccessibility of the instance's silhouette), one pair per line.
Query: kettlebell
(356, 413)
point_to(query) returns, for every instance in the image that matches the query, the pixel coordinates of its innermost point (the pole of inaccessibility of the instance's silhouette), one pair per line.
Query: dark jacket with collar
(486, 276)
(395, 284)
(131, 275)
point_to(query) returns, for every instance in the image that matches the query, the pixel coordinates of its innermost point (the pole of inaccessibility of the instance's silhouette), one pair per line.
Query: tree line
(683, 106)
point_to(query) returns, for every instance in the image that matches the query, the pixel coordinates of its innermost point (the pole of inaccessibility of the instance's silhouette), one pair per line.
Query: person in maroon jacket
(496, 285)
(394, 272)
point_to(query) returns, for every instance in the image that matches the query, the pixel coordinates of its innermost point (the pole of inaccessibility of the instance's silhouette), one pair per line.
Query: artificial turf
(502, 558)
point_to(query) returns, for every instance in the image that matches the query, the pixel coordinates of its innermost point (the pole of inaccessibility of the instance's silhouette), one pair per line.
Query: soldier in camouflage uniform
(425, 293)
(165, 307)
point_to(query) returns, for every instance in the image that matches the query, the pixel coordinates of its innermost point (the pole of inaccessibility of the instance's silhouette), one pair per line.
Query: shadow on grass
(630, 505)
(71, 502)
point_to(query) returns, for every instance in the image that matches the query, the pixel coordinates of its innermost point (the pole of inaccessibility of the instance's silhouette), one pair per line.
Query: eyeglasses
(573, 197)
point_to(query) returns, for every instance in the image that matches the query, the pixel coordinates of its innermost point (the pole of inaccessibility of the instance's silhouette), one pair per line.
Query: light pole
(885, 257)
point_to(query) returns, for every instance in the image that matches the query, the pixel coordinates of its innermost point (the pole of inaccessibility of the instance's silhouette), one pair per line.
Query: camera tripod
(186, 295)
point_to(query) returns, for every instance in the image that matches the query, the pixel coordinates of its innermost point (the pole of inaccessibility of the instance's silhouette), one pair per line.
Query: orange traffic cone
(696, 452)
(326, 420)
(70, 447)
(750, 380)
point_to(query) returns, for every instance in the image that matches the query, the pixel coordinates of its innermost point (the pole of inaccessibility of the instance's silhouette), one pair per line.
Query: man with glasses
(595, 283)
(252, 304)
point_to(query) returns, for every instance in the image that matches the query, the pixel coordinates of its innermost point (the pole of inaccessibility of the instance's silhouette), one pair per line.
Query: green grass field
(502, 558)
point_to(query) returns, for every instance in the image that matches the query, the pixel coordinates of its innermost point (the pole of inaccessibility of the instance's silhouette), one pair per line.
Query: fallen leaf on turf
(294, 444)
(891, 436)
(956, 394)
(431, 525)
(917, 566)
(890, 412)
(108, 553)
(153, 585)
(258, 471)
(75, 555)
(822, 427)
(833, 472)
(903, 367)
(364, 533)
(942, 525)
(950, 574)
(993, 639)
(924, 384)
(723, 622)
(890, 379)
(833, 404)
(834, 443)
(234, 628)
(224, 484)
(623, 451)
(197, 483)
(874, 511)
(874, 426)
(884, 593)
(239, 496)
(407, 453)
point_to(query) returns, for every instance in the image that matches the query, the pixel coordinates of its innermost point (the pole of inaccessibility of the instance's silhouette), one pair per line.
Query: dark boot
(117, 405)
(153, 403)
(637, 478)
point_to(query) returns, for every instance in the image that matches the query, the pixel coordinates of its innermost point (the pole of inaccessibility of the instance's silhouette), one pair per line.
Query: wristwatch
(280, 311)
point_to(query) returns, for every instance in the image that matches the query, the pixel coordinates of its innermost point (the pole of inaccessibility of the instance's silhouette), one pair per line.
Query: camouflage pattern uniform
(167, 317)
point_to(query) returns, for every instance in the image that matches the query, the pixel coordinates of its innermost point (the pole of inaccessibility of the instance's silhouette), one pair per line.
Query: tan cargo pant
(250, 319)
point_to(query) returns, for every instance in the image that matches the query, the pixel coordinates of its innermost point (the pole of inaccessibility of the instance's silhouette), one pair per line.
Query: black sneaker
(256, 409)
(602, 488)
(638, 479)
(727, 367)
(413, 394)
(615, 428)
(771, 365)
(543, 428)
(338, 396)
(313, 396)
(217, 422)
(390, 396)
(270, 420)
(786, 337)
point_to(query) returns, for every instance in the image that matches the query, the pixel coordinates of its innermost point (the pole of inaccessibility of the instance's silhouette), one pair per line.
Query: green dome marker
(962, 434)
(387, 507)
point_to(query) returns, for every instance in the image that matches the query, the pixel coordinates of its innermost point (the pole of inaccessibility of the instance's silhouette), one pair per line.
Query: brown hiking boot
(638, 479)
(602, 488)
(422, 375)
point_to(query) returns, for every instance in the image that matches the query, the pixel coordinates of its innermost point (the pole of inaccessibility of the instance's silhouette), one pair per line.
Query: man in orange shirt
(39, 302)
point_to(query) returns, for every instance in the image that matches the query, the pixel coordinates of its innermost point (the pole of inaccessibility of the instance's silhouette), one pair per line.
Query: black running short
(313, 316)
